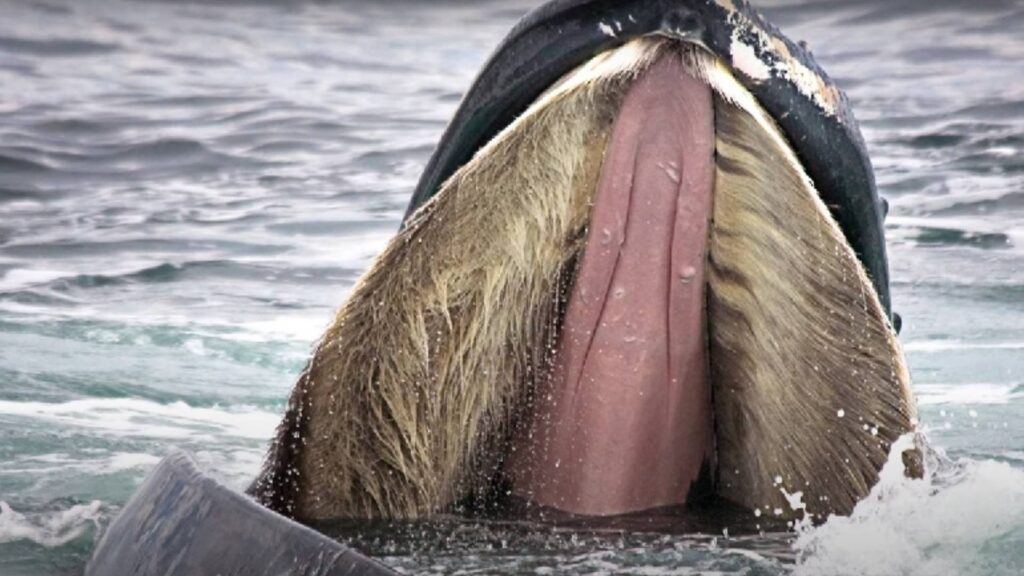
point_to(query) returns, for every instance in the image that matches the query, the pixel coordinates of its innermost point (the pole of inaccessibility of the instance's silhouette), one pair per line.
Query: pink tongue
(624, 422)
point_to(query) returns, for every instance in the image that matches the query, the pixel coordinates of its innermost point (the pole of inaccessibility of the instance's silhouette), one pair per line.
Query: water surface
(187, 191)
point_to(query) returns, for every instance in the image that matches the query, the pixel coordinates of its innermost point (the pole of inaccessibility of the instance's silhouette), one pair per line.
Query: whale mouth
(626, 423)
(631, 295)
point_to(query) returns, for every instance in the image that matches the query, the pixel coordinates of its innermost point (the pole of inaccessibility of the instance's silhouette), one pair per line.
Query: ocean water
(187, 191)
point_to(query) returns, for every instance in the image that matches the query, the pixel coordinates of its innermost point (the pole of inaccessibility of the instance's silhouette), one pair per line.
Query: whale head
(645, 267)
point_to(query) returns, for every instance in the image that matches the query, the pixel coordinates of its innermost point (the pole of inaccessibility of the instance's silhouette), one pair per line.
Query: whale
(644, 269)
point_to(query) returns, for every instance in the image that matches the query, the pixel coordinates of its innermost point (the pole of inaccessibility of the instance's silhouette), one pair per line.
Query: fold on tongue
(624, 421)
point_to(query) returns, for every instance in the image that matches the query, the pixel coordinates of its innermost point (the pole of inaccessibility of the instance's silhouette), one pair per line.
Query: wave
(70, 249)
(15, 280)
(9, 163)
(101, 465)
(938, 236)
(130, 417)
(982, 206)
(158, 273)
(55, 47)
(965, 394)
(964, 517)
(930, 346)
(65, 157)
(78, 127)
(996, 109)
(278, 343)
(50, 529)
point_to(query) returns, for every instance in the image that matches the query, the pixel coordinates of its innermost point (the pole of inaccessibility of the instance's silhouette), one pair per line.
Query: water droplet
(687, 274)
(841, 413)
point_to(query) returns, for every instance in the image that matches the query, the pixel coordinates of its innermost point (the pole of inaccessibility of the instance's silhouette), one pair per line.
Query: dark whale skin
(562, 34)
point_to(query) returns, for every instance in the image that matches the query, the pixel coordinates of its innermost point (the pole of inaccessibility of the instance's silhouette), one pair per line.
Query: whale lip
(812, 112)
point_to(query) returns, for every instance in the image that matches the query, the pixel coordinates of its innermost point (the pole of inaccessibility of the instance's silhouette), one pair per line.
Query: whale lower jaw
(489, 350)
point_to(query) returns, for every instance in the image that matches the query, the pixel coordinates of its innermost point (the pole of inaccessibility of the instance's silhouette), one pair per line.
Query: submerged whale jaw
(625, 419)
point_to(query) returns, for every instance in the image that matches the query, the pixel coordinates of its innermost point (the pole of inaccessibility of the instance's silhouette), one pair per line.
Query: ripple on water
(1011, 201)
(11, 163)
(934, 236)
(937, 140)
(78, 127)
(56, 47)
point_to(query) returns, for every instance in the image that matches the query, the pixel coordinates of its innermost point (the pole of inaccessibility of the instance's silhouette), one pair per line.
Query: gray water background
(188, 190)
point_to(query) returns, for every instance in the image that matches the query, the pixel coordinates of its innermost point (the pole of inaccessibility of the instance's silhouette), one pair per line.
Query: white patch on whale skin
(752, 59)
(807, 81)
(607, 30)
(746, 61)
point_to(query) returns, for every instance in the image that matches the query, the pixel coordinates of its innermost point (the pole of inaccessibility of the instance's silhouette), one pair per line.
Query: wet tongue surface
(624, 422)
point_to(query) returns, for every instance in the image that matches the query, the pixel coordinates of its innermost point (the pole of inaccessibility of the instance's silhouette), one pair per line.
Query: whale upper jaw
(811, 113)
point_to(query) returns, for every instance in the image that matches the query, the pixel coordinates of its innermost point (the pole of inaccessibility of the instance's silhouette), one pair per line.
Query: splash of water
(963, 517)
(52, 529)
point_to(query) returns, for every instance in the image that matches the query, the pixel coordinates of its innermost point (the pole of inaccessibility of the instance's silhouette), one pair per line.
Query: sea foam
(144, 418)
(965, 517)
(50, 529)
